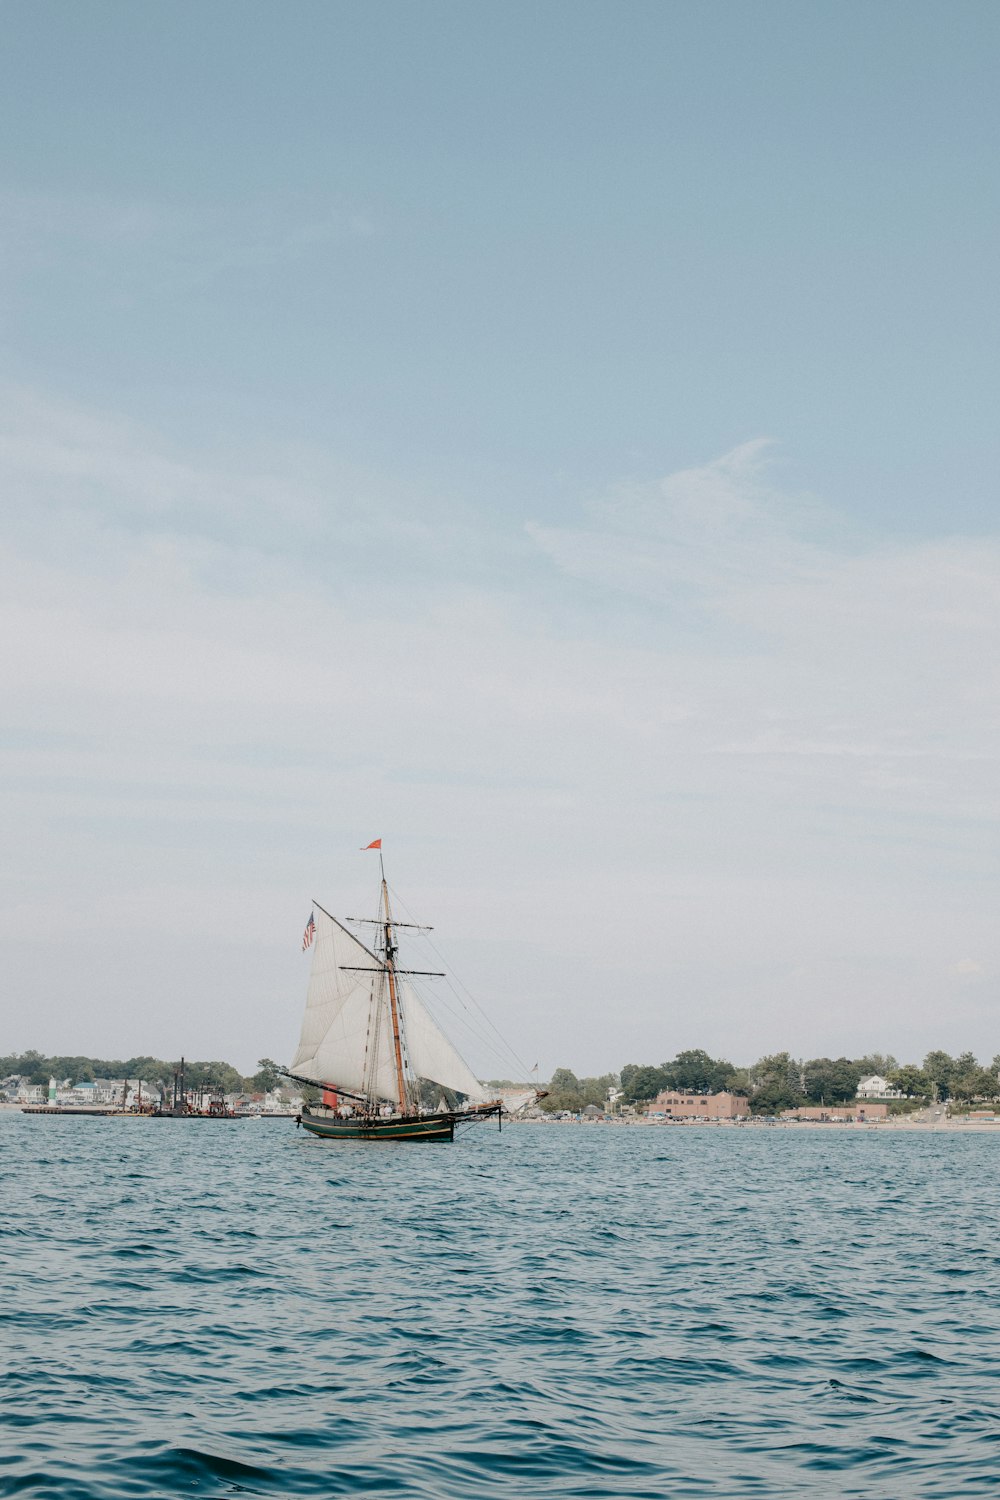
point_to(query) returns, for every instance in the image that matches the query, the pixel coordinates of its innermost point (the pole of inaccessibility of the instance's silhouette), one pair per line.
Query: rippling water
(227, 1309)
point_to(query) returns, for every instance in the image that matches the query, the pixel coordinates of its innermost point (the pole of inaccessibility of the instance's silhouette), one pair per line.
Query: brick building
(688, 1106)
(859, 1112)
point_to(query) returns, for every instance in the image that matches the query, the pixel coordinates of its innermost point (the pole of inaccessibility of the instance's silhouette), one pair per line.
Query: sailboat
(372, 1046)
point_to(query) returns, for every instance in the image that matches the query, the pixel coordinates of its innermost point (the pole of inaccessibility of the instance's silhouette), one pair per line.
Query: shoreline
(902, 1125)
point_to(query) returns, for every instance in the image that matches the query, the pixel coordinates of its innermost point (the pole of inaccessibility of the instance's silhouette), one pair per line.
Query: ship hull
(402, 1128)
(439, 1127)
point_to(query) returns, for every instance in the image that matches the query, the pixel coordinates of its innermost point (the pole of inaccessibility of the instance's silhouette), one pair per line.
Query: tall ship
(386, 1069)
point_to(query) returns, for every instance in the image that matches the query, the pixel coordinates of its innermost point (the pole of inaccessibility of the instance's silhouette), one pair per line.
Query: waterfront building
(674, 1105)
(876, 1087)
(863, 1110)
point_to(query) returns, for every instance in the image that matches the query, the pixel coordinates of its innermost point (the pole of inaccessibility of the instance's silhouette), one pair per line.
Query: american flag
(310, 933)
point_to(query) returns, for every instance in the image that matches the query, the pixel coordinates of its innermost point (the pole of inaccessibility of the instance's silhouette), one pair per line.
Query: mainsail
(347, 1035)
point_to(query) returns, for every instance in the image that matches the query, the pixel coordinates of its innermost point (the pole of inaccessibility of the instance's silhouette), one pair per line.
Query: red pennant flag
(375, 844)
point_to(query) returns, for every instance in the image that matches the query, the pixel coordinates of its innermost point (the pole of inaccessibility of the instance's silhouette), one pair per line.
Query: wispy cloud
(849, 646)
(699, 532)
(782, 764)
(128, 246)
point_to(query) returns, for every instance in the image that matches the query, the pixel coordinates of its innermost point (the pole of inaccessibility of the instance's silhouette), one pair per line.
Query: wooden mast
(390, 954)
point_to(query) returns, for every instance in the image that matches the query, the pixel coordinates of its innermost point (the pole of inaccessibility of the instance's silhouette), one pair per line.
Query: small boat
(371, 1044)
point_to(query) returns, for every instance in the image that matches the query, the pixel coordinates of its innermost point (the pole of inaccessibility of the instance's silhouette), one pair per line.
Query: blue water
(239, 1309)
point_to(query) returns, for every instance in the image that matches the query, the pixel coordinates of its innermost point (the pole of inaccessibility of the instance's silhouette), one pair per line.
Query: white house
(875, 1087)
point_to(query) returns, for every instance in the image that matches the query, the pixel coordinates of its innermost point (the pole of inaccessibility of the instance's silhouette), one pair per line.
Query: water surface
(239, 1309)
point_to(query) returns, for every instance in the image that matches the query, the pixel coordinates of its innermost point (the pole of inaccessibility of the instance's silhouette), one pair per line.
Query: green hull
(403, 1128)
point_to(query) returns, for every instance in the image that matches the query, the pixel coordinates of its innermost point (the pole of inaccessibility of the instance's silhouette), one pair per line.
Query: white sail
(429, 1052)
(346, 1030)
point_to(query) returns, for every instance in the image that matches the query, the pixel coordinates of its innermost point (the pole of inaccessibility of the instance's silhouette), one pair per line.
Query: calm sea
(238, 1309)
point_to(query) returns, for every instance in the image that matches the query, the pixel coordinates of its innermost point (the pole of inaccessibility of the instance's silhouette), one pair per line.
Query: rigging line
(500, 1060)
(436, 1004)
(465, 1021)
(473, 1021)
(497, 1043)
(491, 1024)
(472, 1007)
(470, 1021)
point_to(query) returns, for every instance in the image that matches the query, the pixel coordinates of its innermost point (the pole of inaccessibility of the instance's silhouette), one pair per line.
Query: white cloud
(745, 800)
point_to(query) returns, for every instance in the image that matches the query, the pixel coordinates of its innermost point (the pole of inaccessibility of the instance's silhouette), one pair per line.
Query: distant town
(693, 1086)
(137, 1084)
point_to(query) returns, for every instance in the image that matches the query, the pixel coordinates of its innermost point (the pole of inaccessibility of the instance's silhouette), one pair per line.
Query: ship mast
(390, 966)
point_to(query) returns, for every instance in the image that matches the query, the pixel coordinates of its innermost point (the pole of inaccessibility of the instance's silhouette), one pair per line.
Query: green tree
(268, 1075)
(972, 1082)
(881, 1063)
(773, 1096)
(987, 1084)
(627, 1073)
(641, 1083)
(830, 1080)
(564, 1092)
(30, 1065)
(913, 1081)
(76, 1069)
(940, 1069)
(775, 1084)
(738, 1082)
(211, 1075)
(694, 1071)
(962, 1083)
(145, 1067)
(777, 1065)
(595, 1090)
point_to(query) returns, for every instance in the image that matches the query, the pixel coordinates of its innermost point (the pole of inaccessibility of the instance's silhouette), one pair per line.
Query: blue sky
(558, 438)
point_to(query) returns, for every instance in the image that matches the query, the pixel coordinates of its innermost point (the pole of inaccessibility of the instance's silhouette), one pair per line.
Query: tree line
(780, 1081)
(772, 1084)
(38, 1068)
